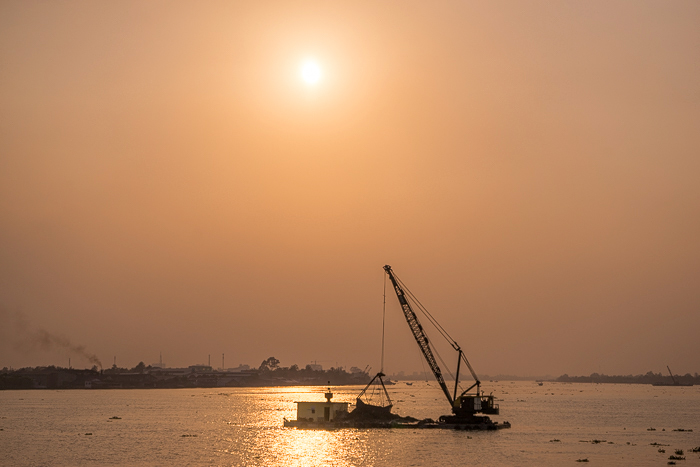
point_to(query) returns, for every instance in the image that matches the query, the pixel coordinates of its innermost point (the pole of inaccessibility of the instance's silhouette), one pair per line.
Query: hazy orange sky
(169, 183)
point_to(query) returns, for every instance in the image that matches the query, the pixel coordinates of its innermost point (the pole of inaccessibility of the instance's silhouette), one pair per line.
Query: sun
(310, 72)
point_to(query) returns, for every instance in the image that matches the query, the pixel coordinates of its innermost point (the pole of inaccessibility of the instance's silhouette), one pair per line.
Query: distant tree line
(647, 378)
(269, 373)
(270, 369)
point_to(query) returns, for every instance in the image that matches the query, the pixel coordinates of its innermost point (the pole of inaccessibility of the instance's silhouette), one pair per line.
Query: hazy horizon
(173, 179)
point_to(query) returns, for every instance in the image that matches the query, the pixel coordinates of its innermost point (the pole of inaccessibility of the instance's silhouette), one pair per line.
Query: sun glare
(310, 72)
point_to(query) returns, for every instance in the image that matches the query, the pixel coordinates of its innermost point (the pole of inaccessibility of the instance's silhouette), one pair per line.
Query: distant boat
(674, 383)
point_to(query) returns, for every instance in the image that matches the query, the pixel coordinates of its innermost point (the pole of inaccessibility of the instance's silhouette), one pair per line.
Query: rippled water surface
(243, 427)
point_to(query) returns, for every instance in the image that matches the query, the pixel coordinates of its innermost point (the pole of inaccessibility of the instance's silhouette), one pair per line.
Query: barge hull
(307, 425)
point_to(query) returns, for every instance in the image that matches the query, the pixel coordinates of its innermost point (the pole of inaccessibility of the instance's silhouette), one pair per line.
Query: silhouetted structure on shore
(194, 376)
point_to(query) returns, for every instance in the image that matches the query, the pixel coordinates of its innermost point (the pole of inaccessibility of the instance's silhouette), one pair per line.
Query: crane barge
(466, 406)
(468, 409)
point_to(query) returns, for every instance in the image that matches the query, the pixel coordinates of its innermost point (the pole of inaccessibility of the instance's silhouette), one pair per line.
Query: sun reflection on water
(312, 448)
(254, 435)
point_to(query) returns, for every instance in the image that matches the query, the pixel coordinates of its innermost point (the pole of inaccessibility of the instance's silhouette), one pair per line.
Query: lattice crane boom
(419, 334)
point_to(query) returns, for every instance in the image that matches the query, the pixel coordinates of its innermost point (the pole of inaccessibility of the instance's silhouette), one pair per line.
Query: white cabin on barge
(317, 412)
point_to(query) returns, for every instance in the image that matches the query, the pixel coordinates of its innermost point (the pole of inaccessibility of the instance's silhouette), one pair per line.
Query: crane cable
(383, 321)
(427, 314)
(409, 295)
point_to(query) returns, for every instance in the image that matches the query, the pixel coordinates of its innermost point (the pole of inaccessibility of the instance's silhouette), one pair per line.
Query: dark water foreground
(553, 424)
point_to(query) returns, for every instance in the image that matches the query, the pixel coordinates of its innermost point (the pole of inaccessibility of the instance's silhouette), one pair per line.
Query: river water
(553, 424)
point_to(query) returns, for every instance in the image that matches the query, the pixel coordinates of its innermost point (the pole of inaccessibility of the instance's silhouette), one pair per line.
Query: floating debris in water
(676, 458)
(189, 436)
(651, 429)
(697, 449)
(555, 440)
(662, 451)
(658, 444)
(582, 460)
(88, 434)
(679, 452)
(115, 418)
(683, 429)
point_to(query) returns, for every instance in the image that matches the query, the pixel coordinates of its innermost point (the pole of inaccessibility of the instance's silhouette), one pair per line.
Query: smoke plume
(27, 338)
(49, 341)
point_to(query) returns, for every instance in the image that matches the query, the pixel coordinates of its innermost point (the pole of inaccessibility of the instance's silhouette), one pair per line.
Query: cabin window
(313, 410)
